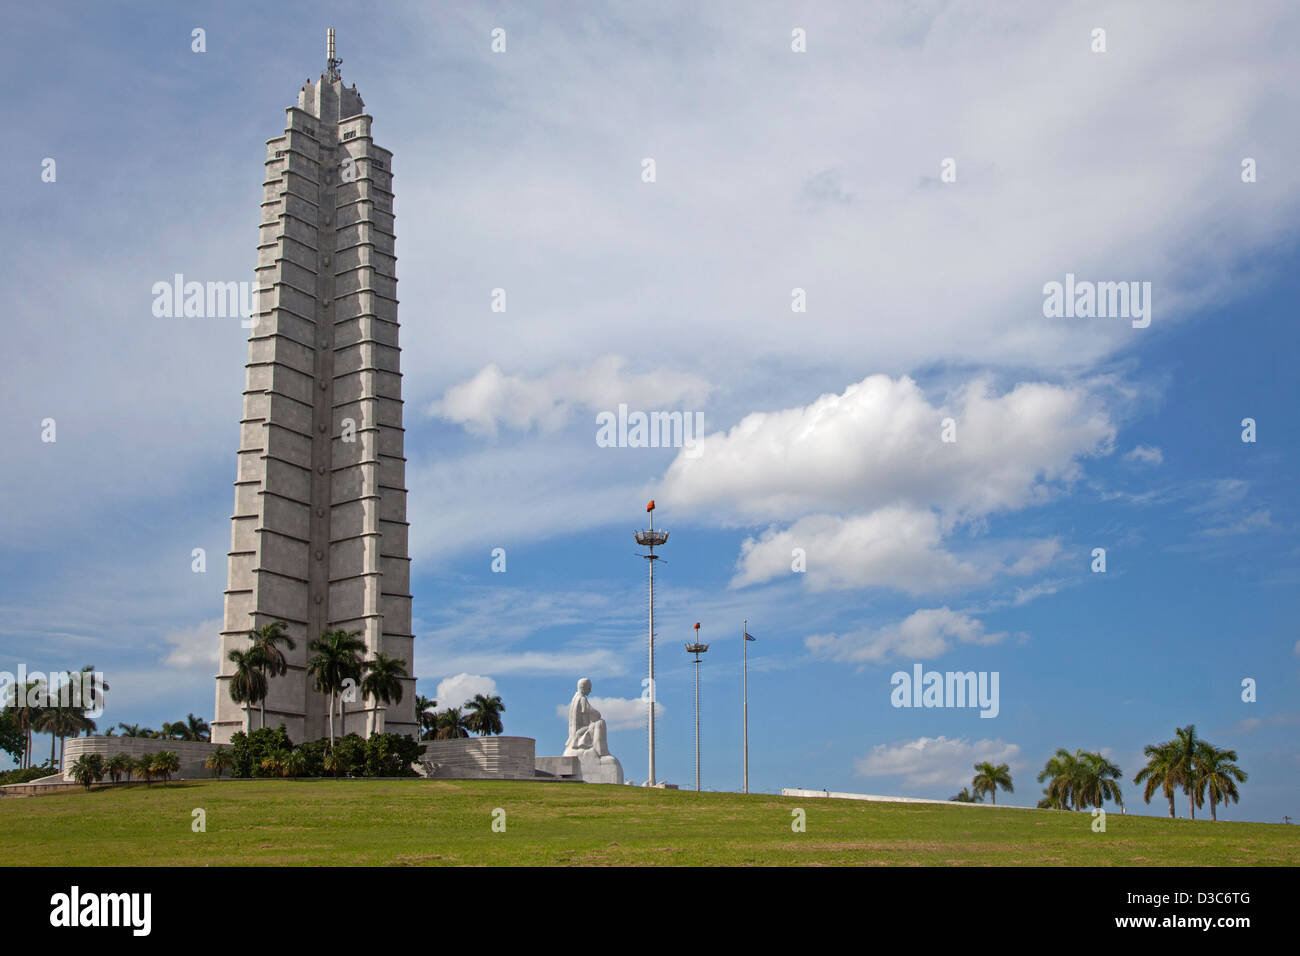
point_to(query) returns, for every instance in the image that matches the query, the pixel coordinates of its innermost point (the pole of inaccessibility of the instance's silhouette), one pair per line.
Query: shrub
(391, 755)
(27, 775)
(349, 756)
(249, 751)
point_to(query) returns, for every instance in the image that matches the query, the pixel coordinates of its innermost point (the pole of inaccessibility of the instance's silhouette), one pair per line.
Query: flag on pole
(750, 637)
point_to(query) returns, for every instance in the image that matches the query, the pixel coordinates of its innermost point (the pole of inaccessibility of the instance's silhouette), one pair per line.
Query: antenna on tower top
(332, 63)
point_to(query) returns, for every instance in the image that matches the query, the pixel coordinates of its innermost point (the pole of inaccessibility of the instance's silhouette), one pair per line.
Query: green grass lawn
(418, 823)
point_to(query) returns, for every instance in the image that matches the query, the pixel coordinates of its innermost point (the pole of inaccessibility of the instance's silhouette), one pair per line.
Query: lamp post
(651, 539)
(697, 649)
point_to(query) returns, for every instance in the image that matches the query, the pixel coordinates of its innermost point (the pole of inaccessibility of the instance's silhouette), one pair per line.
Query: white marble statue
(586, 727)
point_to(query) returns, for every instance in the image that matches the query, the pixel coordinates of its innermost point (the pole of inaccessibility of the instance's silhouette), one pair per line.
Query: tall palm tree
(484, 715)
(266, 641)
(1062, 773)
(77, 721)
(383, 681)
(26, 713)
(1097, 780)
(1161, 772)
(178, 730)
(1185, 747)
(424, 716)
(1217, 771)
(988, 778)
(198, 728)
(248, 683)
(335, 658)
(451, 724)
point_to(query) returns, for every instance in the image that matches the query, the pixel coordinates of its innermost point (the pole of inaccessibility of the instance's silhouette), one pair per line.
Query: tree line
(1085, 779)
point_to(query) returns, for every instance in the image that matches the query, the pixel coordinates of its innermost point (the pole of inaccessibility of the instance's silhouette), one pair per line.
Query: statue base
(584, 766)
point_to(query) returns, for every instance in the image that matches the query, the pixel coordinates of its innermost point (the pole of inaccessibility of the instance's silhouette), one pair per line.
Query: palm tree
(451, 724)
(26, 713)
(484, 715)
(1185, 746)
(132, 730)
(56, 721)
(334, 660)
(19, 700)
(1062, 774)
(966, 797)
(424, 716)
(198, 728)
(118, 765)
(177, 730)
(248, 683)
(383, 681)
(144, 767)
(77, 721)
(219, 761)
(267, 641)
(88, 769)
(295, 764)
(1097, 780)
(165, 763)
(988, 778)
(1217, 771)
(1160, 772)
(274, 762)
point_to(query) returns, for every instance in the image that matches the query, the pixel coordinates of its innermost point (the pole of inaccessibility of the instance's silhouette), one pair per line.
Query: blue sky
(775, 170)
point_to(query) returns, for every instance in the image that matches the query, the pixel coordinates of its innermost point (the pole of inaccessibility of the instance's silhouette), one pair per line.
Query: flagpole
(744, 639)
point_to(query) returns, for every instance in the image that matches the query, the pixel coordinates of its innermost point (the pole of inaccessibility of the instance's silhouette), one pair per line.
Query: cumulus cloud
(922, 635)
(876, 451)
(454, 691)
(492, 399)
(894, 547)
(929, 762)
(878, 444)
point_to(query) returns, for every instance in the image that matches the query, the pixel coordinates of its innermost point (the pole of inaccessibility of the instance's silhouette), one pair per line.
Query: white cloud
(619, 713)
(922, 635)
(454, 691)
(929, 762)
(878, 444)
(1146, 455)
(195, 647)
(893, 547)
(492, 398)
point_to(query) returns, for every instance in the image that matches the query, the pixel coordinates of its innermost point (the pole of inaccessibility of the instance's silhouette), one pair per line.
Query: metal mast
(332, 63)
(651, 539)
(744, 639)
(697, 649)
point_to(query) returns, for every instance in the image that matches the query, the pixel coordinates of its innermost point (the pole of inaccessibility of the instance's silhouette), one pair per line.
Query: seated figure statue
(586, 727)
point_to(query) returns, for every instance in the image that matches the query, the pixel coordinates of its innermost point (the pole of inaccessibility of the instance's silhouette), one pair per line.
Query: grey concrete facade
(191, 753)
(480, 758)
(319, 531)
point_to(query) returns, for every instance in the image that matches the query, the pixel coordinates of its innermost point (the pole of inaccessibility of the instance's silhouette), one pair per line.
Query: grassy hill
(419, 823)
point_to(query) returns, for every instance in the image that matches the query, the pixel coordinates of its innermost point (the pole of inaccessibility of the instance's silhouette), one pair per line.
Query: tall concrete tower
(319, 533)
